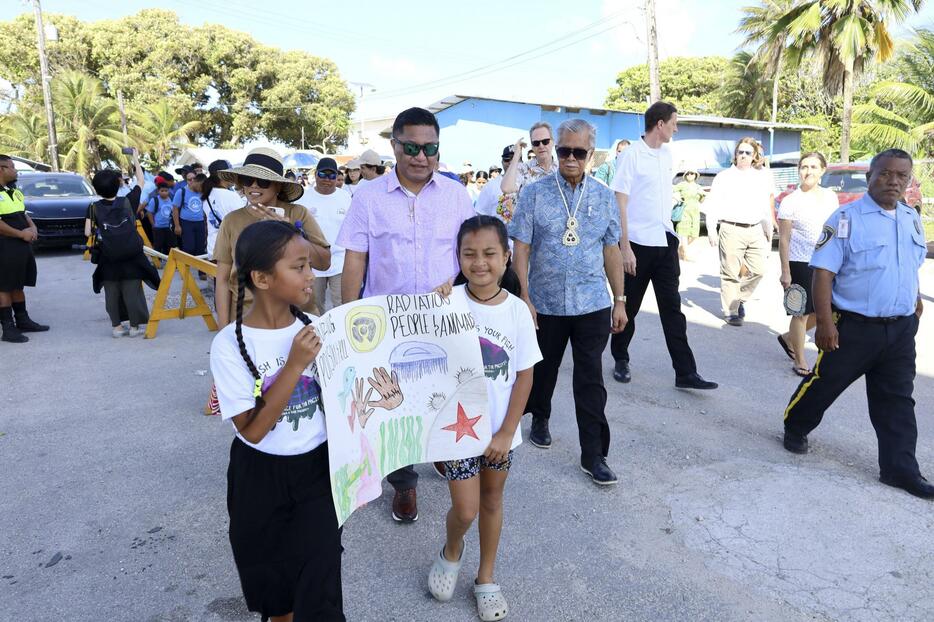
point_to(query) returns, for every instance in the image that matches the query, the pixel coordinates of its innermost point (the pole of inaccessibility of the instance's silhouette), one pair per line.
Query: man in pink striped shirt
(400, 234)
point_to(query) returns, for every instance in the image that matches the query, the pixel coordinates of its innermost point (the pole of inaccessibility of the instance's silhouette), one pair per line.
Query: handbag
(677, 212)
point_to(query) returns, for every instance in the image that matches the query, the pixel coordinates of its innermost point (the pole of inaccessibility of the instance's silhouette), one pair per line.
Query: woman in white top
(801, 219)
(740, 202)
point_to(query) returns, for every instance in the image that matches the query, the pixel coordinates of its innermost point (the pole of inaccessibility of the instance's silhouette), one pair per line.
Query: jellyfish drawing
(414, 360)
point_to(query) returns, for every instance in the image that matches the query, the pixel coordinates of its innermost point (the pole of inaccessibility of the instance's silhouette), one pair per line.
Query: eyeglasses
(744, 152)
(413, 149)
(544, 141)
(326, 175)
(566, 152)
(246, 181)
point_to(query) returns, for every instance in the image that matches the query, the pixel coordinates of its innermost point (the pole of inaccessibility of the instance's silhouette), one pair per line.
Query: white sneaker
(134, 331)
(120, 331)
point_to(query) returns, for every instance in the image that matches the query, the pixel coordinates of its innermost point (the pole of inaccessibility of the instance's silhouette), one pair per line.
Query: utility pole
(46, 86)
(303, 137)
(365, 87)
(655, 89)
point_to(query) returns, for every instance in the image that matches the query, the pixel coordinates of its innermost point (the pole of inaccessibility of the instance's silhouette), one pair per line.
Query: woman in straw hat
(689, 194)
(269, 196)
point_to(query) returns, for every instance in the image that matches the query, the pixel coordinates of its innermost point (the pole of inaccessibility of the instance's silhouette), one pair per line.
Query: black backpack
(116, 237)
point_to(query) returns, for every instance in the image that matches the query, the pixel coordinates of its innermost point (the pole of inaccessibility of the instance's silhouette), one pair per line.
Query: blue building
(475, 129)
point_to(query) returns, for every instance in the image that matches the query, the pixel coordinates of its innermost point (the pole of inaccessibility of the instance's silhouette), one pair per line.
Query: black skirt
(801, 274)
(17, 262)
(284, 534)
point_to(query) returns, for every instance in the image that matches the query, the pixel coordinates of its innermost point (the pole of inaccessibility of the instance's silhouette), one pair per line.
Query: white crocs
(491, 604)
(442, 578)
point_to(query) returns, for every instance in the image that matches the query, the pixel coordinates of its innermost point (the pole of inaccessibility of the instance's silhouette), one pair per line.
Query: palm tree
(901, 113)
(846, 35)
(161, 131)
(772, 51)
(24, 134)
(88, 122)
(743, 94)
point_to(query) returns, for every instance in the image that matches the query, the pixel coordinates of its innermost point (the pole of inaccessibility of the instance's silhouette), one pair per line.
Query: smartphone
(127, 150)
(278, 211)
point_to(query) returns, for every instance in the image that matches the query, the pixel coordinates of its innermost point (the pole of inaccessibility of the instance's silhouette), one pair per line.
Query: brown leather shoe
(404, 506)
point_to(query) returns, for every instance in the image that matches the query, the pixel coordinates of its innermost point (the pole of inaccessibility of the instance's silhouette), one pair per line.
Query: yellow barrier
(185, 264)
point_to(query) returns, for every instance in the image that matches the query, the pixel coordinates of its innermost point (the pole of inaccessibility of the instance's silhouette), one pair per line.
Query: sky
(413, 52)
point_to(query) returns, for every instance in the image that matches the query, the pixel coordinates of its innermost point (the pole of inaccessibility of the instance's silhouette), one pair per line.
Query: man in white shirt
(371, 167)
(488, 201)
(328, 205)
(650, 246)
(219, 203)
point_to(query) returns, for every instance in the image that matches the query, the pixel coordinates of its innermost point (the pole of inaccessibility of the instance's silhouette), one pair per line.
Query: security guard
(17, 263)
(868, 305)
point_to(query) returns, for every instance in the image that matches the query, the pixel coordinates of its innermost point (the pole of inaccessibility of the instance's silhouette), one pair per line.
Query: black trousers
(658, 265)
(588, 335)
(885, 354)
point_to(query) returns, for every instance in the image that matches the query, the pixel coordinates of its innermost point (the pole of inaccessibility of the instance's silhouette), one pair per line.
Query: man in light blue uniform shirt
(868, 305)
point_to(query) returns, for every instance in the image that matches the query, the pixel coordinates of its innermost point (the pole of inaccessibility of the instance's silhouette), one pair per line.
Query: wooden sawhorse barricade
(186, 265)
(146, 244)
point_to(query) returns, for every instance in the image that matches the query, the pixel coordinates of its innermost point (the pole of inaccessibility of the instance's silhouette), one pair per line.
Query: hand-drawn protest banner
(402, 382)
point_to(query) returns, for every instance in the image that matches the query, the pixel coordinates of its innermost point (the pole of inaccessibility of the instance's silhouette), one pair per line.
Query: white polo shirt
(645, 174)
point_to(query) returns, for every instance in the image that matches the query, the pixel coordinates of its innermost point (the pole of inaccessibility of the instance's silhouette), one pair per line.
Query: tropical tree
(772, 51)
(161, 132)
(691, 84)
(901, 112)
(24, 133)
(88, 122)
(744, 94)
(846, 36)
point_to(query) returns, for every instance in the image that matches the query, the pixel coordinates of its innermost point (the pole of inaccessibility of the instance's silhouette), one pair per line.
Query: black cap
(327, 164)
(166, 175)
(183, 170)
(218, 165)
(508, 151)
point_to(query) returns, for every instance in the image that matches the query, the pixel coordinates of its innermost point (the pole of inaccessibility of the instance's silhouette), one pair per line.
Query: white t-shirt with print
(329, 211)
(508, 345)
(301, 427)
(222, 201)
(807, 211)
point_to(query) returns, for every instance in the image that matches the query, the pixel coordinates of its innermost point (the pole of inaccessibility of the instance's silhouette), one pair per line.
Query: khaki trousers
(740, 246)
(324, 284)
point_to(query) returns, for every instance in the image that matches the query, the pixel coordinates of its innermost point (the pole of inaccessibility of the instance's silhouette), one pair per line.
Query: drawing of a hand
(360, 406)
(388, 388)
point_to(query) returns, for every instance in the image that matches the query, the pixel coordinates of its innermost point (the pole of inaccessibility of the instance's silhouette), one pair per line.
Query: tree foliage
(233, 87)
(692, 84)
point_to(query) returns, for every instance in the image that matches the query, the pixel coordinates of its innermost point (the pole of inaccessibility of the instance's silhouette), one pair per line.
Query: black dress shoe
(741, 312)
(539, 434)
(913, 485)
(734, 320)
(621, 372)
(694, 381)
(26, 324)
(795, 443)
(600, 473)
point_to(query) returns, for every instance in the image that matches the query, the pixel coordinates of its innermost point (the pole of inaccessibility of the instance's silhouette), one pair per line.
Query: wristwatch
(619, 298)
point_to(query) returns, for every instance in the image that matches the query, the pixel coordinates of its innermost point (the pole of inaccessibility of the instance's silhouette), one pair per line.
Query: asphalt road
(113, 487)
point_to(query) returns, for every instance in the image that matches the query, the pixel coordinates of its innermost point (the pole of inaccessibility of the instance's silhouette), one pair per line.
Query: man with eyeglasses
(566, 233)
(329, 206)
(400, 237)
(650, 245)
(519, 174)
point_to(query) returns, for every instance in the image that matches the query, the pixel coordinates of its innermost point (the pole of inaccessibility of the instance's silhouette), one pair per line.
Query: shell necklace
(570, 237)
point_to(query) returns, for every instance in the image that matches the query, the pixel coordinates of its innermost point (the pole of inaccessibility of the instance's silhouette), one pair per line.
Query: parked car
(57, 203)
(849, 182)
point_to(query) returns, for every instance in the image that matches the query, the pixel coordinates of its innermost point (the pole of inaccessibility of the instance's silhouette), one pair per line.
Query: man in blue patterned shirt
(566, 231)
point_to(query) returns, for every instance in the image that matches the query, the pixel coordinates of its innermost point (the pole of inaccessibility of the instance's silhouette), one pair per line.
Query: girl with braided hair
(283, 528)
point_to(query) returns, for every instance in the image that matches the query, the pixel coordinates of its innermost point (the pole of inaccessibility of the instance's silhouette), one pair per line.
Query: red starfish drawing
(464, 425)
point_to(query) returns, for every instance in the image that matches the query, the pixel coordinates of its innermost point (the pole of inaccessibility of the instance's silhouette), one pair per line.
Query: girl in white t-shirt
(283, 528)
(510, 350)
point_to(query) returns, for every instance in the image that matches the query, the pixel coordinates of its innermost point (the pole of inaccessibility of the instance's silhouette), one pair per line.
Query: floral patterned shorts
(456, 470)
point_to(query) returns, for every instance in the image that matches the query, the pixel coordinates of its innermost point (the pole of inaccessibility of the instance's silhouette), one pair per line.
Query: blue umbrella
(300, 160)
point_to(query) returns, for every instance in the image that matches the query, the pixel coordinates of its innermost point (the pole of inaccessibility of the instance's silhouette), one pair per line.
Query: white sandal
(491, 604)
(442, 578)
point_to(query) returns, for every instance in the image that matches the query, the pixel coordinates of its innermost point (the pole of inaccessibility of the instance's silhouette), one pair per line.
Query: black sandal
(786, 348)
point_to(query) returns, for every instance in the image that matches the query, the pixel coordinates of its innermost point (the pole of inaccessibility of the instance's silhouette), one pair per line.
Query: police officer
(868, 305)
(17, 263)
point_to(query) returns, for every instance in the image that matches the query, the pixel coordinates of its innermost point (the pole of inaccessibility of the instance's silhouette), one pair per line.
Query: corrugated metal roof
(453, 100)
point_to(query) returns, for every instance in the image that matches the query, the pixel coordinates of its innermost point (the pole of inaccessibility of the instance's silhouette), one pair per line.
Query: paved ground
(113, 486)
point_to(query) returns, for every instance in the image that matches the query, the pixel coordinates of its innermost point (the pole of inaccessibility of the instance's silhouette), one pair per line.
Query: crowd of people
(549, 251)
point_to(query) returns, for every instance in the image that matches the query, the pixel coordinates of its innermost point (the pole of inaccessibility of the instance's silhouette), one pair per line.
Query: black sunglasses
(246, 181)
(326, 175)
(413, 149)
(744, 152)
(566, 152)
(544, 141)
